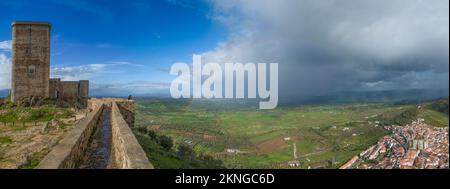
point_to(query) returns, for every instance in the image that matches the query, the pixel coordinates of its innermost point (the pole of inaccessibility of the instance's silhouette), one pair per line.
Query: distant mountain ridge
(393, 96)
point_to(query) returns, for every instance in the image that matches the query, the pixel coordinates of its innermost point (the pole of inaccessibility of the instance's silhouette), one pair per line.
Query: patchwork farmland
(314, 136)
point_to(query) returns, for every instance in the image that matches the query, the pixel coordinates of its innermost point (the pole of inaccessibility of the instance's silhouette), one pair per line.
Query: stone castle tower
(30, 60)
(31, 67)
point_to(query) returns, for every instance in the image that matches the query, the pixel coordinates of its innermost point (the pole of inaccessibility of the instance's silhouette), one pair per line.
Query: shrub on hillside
(152, 134)
(142, 130)
(166, 142)
(186, 151)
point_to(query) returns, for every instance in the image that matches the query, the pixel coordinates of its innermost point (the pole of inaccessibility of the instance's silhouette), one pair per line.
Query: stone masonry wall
(30, 60)
(69, 91)
(126, 108)
(83, 89)
(68, 152)
(54, 88)
(127, 152)
(31, 66)
(94, 103)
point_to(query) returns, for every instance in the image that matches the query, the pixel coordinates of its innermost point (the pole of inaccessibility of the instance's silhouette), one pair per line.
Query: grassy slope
(434, 118)
(33, 114)
(11, 113)
(440, 106)
(434, 113)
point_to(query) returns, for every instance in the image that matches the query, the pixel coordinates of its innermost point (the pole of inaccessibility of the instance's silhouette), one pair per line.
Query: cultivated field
(321, 136)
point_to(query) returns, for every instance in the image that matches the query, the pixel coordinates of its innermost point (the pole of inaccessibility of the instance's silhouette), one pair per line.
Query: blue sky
(118, 41)
(127, 46)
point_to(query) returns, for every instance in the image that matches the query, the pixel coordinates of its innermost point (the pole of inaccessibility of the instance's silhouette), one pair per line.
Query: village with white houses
(414, 146)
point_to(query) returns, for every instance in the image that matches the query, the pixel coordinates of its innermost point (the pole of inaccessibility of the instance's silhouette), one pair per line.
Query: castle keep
(31, 66)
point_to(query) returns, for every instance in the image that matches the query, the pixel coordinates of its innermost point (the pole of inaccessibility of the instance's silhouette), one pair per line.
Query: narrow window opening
(31, 70)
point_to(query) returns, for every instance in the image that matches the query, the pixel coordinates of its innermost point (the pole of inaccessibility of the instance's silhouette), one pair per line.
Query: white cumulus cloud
(5, 45)
(5, 72)
(74, 73)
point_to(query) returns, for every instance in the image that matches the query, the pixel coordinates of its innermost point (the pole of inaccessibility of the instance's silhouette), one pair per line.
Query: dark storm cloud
(339, 45)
